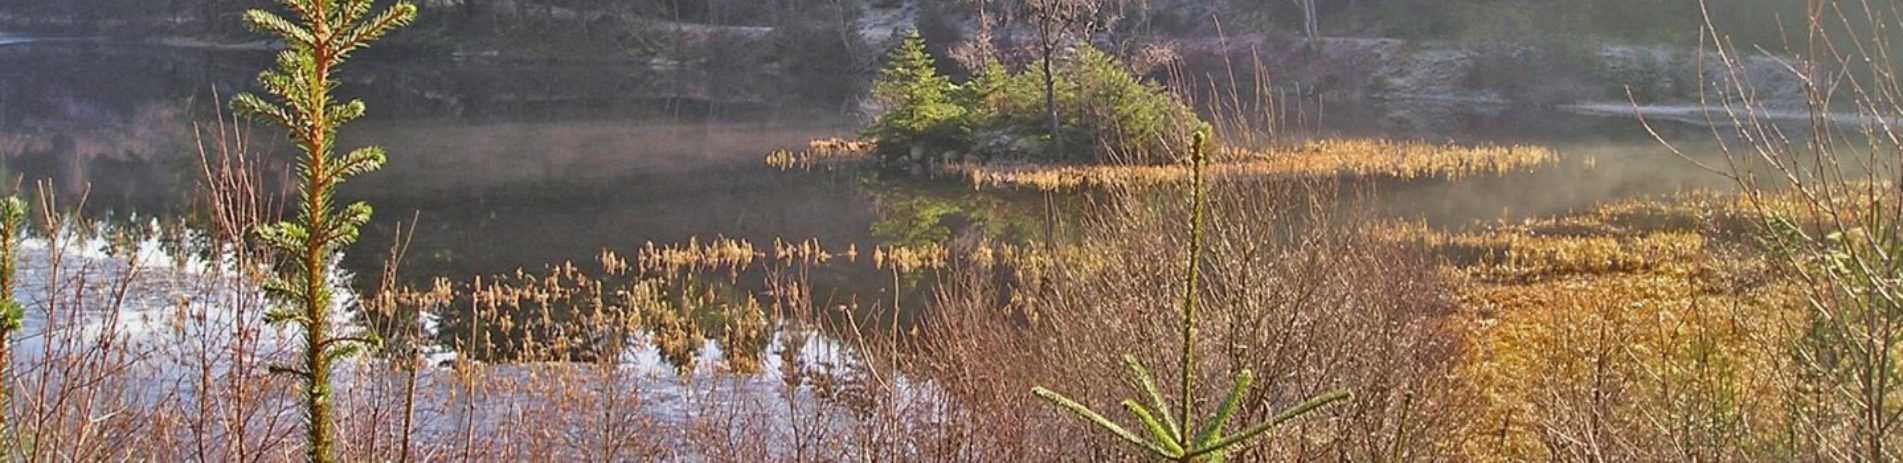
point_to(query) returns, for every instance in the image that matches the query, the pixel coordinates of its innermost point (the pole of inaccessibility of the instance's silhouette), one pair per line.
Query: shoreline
(1714, 116)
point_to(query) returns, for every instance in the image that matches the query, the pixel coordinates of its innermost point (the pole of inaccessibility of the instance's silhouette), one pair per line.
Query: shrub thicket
(1106, 114)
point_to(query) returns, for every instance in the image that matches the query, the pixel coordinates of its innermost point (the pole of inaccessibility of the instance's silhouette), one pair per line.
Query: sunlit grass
(907, 259)
(821, 151)
(1314, 159)
(717, 254)
(1636, 320)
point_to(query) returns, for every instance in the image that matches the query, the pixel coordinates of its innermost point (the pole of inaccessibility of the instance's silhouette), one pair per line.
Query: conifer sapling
(321, 35)
(1176, 438)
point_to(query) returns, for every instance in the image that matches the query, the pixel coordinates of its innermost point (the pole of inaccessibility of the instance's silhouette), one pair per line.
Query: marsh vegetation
(1023, 215)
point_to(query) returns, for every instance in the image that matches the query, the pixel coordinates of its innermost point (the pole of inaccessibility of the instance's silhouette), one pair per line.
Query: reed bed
(1635, 330)
(1638, 330)
(658, 355)
(820, 152)
(655, 355)
(1314, 159)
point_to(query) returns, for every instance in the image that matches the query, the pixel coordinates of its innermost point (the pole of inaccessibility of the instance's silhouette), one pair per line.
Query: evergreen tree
(1131, 120)
(919, 108)
(321, 35)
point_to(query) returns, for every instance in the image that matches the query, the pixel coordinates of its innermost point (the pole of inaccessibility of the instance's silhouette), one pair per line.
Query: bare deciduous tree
(1059, 22)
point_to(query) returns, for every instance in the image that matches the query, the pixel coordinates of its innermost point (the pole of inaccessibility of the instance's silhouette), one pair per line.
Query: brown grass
(1290, 290)
(1637, 331)
(822, 151)
(1316, 160)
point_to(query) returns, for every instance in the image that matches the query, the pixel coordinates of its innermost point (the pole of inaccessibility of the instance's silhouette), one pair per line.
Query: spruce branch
(1148, 384)
(1086, 413)
(1228, 410)
(1242, 438)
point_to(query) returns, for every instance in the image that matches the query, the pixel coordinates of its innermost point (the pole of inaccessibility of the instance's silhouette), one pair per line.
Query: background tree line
(1654, 21)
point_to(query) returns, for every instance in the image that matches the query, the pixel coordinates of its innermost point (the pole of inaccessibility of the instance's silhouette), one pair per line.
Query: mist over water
(507, 166)
(599, 244)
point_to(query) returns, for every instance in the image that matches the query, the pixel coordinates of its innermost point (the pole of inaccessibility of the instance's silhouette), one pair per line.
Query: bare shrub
(1292, 290)
(1827, 193)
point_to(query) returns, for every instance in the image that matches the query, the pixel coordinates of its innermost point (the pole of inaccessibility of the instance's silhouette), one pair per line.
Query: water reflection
(574, 315)
(513, 165)
(507, 166)
(922, 211)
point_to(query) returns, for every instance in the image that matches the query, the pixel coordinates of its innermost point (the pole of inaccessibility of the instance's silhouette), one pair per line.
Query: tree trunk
(1311, 26)
(1050, 95)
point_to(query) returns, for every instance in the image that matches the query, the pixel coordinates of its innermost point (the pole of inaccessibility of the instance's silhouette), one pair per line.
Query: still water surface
(519, 165)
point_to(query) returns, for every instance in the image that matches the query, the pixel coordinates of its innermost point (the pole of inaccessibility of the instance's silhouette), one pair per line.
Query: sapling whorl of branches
(1176, 438)
(321, 35)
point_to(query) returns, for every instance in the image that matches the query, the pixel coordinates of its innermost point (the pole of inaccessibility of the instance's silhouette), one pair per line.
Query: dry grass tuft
(1637, 331)
(821, 151)
(1315, 159)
